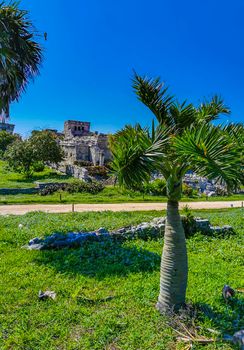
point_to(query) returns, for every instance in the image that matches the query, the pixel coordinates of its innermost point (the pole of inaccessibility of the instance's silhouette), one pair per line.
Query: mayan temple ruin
(80, 144)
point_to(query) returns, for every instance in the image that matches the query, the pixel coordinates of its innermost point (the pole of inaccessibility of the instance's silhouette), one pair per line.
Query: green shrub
(78, 186)
(38, 167)
(52, 188)
(156, 187)
(187, 190)
(188, 222)
(98, 171)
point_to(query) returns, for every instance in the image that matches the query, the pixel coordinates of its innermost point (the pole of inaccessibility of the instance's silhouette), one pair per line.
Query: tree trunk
(174, 267)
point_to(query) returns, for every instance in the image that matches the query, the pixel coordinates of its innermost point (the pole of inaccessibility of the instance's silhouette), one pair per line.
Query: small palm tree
(20, 54)
(184, 139)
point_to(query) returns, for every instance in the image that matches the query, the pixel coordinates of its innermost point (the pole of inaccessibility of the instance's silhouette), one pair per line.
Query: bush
(97, 171)
(187, 190)
(78, 186)
(188, 222)
(52, 188)
(38, 167)
(156, 187)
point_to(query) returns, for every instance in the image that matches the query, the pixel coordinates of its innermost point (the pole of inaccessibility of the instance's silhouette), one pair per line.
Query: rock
(39, 246)
(202, 224)
(228, 292)
(238, 339)
(46, 295)
(102, 230)
(145, 230)
(121, 230)
(35, 241)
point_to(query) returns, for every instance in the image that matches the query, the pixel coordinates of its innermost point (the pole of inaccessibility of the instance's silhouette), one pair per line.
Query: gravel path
(65, 208)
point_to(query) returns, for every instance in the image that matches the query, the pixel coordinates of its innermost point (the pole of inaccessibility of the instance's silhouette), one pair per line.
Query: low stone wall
(146, 230)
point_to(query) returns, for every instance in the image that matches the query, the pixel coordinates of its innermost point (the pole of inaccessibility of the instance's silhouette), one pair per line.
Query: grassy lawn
(9, 179)
(110, 194)
(106, 292)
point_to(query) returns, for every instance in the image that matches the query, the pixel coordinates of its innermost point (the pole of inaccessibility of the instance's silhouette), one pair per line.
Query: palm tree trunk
(174, 267)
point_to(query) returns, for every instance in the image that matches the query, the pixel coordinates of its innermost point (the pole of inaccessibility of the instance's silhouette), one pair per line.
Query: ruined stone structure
(80, 144)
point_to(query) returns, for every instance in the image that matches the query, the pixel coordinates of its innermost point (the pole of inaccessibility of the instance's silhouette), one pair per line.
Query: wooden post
(73, 207)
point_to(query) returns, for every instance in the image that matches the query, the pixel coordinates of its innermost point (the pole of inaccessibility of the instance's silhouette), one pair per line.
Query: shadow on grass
(100, 259)
(40, 177)
(228, 321)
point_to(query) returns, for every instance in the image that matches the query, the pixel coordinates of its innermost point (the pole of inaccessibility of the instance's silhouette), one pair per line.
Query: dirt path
(65, 208)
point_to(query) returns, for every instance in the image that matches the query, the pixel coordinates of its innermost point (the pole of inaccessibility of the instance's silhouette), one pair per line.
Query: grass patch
(10, 179)
(110, 194)
(106, 293)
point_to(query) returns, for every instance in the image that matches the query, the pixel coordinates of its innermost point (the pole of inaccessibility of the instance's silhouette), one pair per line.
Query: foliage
(31, 154)
(156, 187)
(46, 146)
(78, 186)
(20, 53)
(94, 308)
(6, 139)
(98, 170)
(183, 140)
(21, 156)
(38, 167)
(52, 188)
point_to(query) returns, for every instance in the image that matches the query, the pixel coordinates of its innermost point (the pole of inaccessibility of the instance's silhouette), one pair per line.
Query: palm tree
(184, 139)
(20, 54)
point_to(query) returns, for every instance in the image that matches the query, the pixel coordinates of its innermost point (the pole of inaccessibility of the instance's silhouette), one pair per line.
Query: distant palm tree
(20, 54)
(185, 139)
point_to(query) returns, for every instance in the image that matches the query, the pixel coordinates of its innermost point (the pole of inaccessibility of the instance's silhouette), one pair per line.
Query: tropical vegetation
(184, 138)
(26, 156)
(20, 54)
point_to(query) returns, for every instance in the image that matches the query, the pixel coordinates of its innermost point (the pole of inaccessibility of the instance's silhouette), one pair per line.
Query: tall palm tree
(184, 139)
(20, 54)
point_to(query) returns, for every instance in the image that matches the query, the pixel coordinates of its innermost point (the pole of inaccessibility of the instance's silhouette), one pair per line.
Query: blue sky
(197, 47)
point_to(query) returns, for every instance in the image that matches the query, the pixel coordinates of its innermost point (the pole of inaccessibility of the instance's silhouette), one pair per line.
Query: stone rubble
(146, 230)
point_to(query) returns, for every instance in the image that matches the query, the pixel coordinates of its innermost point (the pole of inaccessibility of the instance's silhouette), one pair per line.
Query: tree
(21, 157)
(20, 54)
(6, 139)
(184, 139)
(46, 144)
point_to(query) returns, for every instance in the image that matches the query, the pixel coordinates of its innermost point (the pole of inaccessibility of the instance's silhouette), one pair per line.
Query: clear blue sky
(196, 46)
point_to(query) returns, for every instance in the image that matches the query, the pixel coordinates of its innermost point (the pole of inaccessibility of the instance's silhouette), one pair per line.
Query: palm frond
(154, 95)
(20, 55)
(210, 152)
(182, 115)
(135, 155)
(211, 110)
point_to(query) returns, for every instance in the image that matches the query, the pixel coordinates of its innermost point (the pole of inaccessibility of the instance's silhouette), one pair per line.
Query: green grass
(10, 179)
(106, 293)
(110, 194)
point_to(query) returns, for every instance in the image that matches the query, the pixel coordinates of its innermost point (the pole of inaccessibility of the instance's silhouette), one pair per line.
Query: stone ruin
(80, 144)
(146, 230)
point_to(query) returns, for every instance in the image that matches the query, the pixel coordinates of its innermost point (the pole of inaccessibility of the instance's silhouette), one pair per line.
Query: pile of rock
(146, 230)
